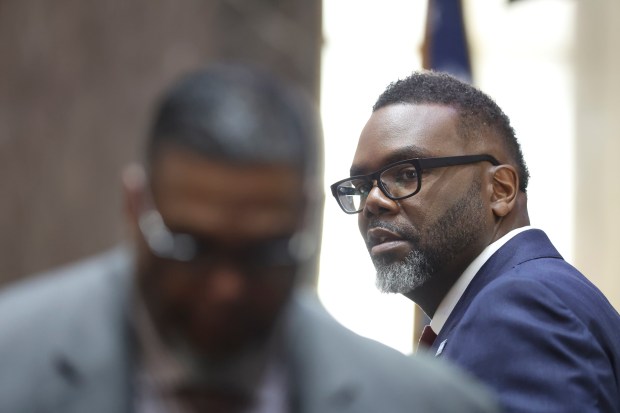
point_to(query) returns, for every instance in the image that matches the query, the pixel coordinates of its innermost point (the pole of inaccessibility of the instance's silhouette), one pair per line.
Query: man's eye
(363, 188)
(406, 174)
(272, 253)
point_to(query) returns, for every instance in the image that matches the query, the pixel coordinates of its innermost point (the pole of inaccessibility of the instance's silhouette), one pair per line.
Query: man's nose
(378, 203)
(226, 282)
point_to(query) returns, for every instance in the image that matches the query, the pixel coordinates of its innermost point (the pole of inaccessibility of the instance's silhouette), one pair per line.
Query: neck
(517, 218)
(429, 295)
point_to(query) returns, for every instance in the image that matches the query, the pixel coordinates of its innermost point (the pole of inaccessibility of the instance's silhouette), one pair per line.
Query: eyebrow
(406, 152)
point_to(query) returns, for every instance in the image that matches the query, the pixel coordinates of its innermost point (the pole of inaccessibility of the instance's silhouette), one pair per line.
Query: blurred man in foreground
(205, 313)
(439, 182)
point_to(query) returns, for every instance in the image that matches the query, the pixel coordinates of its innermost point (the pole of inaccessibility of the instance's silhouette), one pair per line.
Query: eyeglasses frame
(161, 241)
(182, 247)
(420, 165)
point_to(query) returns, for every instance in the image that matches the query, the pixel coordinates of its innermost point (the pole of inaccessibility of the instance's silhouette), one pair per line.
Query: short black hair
(478, 111)
(241, 114)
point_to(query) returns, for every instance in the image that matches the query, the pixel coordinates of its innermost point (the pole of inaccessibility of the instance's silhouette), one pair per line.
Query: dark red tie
(428, 337)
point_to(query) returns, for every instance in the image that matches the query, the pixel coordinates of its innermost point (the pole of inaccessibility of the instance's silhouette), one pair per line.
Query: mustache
(398, 230)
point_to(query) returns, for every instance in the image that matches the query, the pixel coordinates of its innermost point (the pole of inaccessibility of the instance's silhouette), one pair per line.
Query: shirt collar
(453, 296)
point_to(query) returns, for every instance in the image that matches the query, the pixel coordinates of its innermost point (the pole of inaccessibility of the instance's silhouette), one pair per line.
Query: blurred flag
(445, 45)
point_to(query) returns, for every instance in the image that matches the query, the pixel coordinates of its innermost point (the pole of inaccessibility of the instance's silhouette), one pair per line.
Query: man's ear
(505, 181)
(134, 192)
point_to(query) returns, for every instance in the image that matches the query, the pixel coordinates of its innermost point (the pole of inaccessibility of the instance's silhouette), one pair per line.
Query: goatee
(403, 276)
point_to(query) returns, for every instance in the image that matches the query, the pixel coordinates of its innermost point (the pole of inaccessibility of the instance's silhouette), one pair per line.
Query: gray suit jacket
(66, 346)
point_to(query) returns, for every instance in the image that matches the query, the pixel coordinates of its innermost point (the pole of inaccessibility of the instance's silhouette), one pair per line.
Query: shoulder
(545, 288)
(540, 312)
(526, 276)
(540, 300)
(33, 307)
(51, 320)
(385, 378)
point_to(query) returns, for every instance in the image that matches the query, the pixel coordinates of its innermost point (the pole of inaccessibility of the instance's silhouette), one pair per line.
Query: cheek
(175, 286)
(166, 287)
(267, 297)
(421, 212)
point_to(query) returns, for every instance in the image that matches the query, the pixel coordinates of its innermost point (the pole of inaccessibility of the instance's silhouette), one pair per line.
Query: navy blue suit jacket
(537, 332)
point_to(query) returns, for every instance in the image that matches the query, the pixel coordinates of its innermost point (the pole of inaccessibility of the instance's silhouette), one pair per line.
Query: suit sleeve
(527, 343)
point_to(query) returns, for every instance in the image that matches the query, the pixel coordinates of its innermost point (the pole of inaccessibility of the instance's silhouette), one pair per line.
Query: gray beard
(404, 276)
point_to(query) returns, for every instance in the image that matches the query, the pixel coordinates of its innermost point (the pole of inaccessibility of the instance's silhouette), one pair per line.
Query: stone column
(597, 174)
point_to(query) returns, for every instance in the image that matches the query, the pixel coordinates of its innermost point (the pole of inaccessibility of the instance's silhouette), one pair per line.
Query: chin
(386, 259)
(403, 276)
(224, 346)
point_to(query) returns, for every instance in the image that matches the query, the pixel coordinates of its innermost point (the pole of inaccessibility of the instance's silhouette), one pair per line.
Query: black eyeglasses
(256, 259)
(397, 181)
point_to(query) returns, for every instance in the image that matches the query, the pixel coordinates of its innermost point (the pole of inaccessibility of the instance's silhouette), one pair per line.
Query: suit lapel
(528, 245)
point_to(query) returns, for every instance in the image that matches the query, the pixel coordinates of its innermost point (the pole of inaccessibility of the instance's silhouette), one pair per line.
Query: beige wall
(597, 154)
(77, 82)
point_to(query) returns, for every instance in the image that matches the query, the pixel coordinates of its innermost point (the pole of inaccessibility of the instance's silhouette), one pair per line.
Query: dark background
(78, 80)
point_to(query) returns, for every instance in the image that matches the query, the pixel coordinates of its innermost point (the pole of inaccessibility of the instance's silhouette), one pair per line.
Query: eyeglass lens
(396, 182)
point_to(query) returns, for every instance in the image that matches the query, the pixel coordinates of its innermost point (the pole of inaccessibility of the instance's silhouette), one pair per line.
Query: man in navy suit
(439, 184)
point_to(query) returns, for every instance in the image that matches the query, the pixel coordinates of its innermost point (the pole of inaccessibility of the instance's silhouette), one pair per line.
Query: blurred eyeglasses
(255, 258)
(396, 181)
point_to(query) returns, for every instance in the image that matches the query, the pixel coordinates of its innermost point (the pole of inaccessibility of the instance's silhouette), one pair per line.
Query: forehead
(227, 201)
(402, 131)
